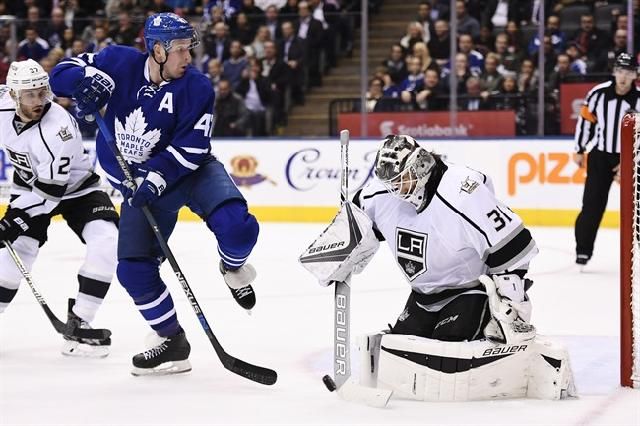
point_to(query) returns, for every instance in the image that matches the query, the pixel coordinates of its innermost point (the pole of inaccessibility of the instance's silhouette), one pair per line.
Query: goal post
(630, 251)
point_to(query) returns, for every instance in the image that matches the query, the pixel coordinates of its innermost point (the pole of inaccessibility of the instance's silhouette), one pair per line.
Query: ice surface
(291, 331)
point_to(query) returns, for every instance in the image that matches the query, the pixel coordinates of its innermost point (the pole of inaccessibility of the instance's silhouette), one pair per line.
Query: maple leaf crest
(133, 139)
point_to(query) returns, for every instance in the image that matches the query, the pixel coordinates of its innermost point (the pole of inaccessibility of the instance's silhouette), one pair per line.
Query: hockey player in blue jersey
(159, 109)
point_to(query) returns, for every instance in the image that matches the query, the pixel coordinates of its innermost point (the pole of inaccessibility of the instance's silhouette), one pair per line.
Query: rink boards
(298, 180)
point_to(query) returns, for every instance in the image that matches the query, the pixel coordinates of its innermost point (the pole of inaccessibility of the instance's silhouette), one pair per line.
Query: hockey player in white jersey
(53, 175)
(464, 332)
(445, 229)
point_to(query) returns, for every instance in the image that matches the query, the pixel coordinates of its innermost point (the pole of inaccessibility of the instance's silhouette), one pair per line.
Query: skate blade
(164, 369)
(82, 350)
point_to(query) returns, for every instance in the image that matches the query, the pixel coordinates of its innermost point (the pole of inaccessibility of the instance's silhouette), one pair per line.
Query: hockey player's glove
(93, 92)
(14, 223)
(148, 190)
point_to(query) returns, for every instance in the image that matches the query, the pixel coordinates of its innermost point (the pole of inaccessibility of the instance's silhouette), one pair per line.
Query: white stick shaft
(344, 151)
(341, 333)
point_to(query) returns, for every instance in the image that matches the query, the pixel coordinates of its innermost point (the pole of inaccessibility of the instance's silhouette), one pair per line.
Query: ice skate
(239, 283)
(78, 346)
(170, 356)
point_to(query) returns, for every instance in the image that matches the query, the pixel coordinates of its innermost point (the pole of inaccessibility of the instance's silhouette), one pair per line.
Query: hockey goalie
(465, 331)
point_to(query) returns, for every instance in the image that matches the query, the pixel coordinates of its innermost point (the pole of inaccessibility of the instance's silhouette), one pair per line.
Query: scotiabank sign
(571, 98)
(432, 124)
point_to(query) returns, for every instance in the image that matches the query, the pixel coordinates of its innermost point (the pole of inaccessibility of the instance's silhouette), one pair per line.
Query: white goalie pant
(432, 370)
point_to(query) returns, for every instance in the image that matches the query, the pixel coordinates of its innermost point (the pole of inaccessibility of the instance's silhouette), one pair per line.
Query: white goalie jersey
(48, 157)
(462, 233)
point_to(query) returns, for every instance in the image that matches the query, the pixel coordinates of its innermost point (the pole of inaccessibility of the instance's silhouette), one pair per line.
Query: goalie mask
(404, 168)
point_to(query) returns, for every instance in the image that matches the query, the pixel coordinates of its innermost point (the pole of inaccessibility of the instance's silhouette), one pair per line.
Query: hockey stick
(256, 373)
(60, 326)
(348, 388)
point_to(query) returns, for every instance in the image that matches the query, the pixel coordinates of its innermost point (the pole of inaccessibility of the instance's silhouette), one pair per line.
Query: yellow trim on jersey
(531, 217)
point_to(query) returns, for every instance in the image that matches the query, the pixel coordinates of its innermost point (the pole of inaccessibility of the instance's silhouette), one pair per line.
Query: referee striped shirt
(599, 120)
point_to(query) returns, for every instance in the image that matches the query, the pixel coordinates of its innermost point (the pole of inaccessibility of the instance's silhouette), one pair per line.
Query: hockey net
(630, 251)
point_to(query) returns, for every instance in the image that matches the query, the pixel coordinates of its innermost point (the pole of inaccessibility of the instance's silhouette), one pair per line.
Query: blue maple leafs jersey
(166, 128)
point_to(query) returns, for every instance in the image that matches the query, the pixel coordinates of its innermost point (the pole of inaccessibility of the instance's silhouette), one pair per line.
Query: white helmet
(404, 168)
(25, 75)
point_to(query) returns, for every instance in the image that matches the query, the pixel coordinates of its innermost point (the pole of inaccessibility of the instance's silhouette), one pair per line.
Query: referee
(598, 128)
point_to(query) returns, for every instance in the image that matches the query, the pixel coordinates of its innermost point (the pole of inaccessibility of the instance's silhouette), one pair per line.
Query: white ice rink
(291, 331)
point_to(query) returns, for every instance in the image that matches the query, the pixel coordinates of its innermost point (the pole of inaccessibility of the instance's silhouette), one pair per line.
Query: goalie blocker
(345, 247)
(432, 370)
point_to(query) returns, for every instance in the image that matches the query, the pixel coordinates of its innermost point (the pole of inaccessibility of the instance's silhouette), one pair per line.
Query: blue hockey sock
(141, 279)
(236, 230)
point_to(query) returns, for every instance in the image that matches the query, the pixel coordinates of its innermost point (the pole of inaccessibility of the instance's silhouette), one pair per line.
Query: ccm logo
(549, 168)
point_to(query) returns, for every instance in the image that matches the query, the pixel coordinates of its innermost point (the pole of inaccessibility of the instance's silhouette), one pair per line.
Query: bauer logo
(411, 250)
(502, 350)
(327, 247)
(244, 171)
(310, 167)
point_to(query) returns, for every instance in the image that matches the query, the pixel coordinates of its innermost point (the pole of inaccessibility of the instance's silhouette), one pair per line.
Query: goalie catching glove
(345, 247)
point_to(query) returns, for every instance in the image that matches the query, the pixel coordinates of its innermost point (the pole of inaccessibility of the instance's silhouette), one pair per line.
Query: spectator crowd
(496, 64)
(262, 56)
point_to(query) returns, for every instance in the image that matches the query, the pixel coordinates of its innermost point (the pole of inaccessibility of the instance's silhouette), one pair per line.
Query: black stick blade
(261, 375)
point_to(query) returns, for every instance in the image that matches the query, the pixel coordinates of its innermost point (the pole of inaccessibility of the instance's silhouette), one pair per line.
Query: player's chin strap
(161, 64)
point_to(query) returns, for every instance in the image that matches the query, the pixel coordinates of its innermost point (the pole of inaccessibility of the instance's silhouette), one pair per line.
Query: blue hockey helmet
(166, 27)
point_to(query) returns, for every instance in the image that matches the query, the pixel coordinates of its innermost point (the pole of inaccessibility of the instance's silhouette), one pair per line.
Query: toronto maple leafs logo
(157, 21)
(133, 139)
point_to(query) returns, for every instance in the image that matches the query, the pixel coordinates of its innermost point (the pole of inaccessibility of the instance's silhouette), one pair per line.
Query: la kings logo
(411, 251)
(22, 164)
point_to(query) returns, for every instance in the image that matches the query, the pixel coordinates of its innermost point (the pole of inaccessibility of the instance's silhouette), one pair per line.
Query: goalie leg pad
(369, 350)
(550, 374)
(431, 370)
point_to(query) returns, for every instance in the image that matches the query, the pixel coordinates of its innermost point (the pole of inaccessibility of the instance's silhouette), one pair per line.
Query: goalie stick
(256, 373)
(347, 388)
(60, 327)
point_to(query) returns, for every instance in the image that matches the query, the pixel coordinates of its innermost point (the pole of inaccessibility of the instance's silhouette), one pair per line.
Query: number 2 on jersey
(64, 168)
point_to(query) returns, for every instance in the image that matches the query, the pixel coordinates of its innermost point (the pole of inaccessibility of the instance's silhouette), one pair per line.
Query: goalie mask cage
(630, 251)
